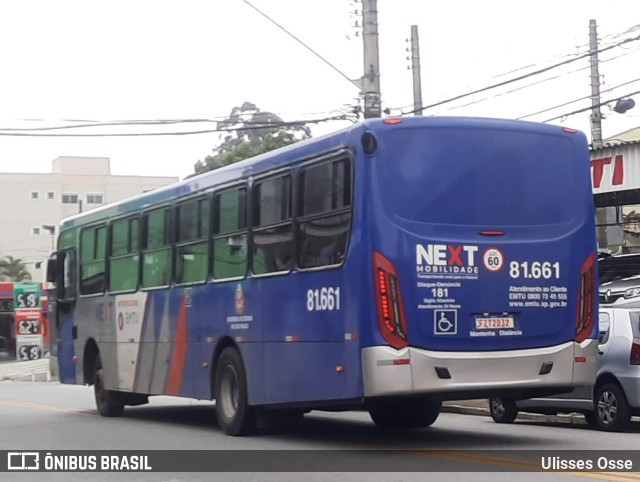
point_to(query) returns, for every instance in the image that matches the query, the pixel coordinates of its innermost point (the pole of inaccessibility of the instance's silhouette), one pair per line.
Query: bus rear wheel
(108, 402)
(235, 415)
(410, 413)
(503, 411)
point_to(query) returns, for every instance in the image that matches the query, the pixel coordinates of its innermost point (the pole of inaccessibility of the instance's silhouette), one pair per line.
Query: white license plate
(494, 322)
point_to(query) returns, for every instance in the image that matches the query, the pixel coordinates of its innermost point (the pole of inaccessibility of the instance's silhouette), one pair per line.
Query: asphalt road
(48, 416)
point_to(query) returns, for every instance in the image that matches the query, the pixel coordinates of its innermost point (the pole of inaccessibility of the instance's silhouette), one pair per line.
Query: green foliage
(13, 269)
(247, 137)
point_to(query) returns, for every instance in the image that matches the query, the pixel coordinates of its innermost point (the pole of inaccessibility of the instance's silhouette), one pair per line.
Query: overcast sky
(137, 59)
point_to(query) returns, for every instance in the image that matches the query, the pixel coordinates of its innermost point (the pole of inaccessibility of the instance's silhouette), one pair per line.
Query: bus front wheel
(108, 402)
(411, 413)
(235, 415)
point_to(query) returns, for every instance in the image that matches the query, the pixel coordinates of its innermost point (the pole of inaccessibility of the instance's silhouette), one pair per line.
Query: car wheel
(611, 408)
(503, 411)
(108, 402)
(234, 414)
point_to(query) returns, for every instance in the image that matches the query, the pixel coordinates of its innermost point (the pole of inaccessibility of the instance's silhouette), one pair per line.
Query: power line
(500, 94)
(590, 107)
(522, 77)
(576, 100)
(351, 81)
(255, 126)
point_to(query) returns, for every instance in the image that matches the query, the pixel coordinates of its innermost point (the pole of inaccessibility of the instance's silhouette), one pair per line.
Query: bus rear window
(480, 177)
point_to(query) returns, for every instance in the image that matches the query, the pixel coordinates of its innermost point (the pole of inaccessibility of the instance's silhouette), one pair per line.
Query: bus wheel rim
(230, 391)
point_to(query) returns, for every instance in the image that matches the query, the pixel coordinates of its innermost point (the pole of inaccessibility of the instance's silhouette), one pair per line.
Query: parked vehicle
(615, 396)
(620, 280)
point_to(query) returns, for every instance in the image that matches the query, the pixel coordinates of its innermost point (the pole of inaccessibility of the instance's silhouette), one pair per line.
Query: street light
(52, 231)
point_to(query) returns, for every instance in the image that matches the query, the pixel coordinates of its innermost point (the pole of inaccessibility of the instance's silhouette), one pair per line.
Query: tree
(249, 132)
(13, 269)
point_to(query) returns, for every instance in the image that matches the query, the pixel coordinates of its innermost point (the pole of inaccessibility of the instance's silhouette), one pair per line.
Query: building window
(94, 199)
(69, 199)
(51, 195)
(35, 195)
(37, 265)
(35, 231)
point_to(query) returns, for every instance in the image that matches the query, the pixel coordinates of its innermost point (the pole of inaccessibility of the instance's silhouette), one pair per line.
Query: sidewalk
(481, 407)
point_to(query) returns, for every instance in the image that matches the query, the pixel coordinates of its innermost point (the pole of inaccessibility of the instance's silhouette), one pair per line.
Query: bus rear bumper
(414, 371)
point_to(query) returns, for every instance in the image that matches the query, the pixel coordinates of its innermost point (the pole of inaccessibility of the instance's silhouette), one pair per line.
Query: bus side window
(192, 245)
(156, 252)
(273, 226)
(124, 263)
(93, 254)
(230, 234)
(324, 214)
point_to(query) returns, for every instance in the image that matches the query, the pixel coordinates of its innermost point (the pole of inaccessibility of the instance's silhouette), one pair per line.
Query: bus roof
(284, 156)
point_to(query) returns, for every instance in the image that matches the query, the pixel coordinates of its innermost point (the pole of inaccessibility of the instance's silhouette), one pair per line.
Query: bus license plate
(494, 322)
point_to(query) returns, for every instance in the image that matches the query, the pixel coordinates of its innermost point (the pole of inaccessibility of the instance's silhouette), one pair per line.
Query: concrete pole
(596, 115)
(371, 78)
(415, 67)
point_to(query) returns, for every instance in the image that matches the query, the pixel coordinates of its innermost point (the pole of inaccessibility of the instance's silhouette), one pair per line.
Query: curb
(577, 419)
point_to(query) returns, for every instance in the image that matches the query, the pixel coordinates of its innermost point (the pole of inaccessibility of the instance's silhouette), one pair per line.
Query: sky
(111, 60)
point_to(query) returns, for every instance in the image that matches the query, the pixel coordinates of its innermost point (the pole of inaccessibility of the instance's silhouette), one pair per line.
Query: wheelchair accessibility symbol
(445, 322)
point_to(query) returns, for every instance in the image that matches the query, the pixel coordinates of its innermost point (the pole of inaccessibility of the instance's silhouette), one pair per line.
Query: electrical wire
(576, 100)
(255, 126)
(336, 69)
(521, 77)
(592, 106)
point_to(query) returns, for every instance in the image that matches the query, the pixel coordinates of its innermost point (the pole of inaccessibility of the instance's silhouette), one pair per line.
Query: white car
(615, 395)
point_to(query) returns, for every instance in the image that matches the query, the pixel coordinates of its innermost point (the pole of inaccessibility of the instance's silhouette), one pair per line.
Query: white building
(34, 204)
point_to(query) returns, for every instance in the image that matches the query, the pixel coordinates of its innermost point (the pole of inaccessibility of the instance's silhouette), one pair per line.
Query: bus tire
(108, 402)
(591, 419)
(235, 416)
(503, 411)
(399, 414)
(613, 413)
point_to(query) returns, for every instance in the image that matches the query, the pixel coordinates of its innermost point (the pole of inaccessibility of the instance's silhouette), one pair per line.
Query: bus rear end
(482, 259)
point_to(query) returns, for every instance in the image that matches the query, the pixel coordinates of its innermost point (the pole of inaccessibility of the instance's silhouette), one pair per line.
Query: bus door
(61, 271)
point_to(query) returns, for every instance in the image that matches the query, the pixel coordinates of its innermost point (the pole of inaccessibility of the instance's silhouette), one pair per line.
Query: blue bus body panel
(435, 191)
(421, 200)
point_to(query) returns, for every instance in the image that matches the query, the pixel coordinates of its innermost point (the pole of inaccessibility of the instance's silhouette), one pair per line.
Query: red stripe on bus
(179, 352)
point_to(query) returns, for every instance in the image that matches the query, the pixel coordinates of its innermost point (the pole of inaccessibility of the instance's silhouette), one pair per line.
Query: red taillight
(569, 130)
(586, 289)
(391, 318)
(634, 359)
(392, 120)
(492, 233)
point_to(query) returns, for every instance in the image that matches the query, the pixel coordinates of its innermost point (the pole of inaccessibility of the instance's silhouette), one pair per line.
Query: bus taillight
(586, 289)
(391, 316)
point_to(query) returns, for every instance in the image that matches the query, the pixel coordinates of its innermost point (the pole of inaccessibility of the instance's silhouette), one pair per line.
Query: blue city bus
(389, 267)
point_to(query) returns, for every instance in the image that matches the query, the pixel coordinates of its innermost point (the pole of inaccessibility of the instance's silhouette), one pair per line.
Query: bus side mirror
(52, 270)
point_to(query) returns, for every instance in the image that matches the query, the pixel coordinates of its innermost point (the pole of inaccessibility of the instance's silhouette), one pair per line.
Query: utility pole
(596, 115)
(596, 123)
(371, 78)
(415, 67)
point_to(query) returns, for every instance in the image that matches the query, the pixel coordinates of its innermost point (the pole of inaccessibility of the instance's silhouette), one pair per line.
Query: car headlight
(632, 292)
